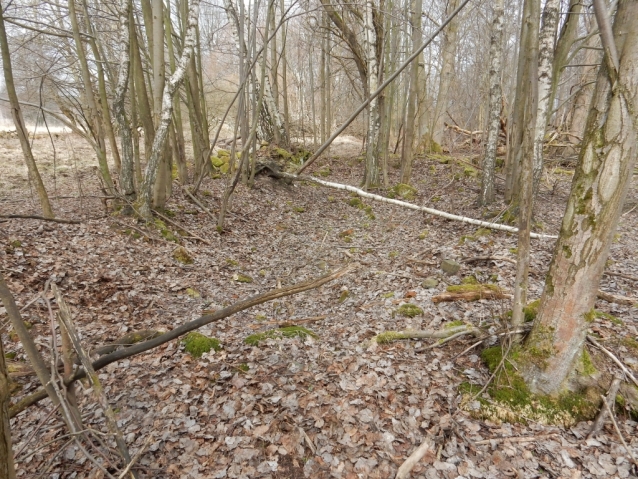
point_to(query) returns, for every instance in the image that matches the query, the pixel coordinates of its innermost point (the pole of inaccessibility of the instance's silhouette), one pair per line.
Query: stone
(450, 266)
(430, 283)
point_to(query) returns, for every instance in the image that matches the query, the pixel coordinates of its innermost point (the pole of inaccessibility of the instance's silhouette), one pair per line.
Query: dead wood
(478, 259)
(616, 298)
(42, 218)
(129, 339)
(610, 400)
(621, 275)
(471, 296)
(462, 131)
(426, 446)
(177, 225)
(618, 362)
(515, 439)
(188, 327)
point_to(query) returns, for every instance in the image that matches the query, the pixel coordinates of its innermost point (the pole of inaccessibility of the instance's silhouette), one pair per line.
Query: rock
(242, 278)
(450, 266)
(430, 283)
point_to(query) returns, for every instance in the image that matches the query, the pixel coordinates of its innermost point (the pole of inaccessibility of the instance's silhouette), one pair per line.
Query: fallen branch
(186, 328)
(415, 457)
(613, 358)
(199, 203)
(458, 129)
(616, 298)
(515, 439)
(290, 322)
(442, 334)
(470, 296)
(477, 259)
(621, 275)
(432, 211)
(622, 439)
(610, 400)
(42, 218)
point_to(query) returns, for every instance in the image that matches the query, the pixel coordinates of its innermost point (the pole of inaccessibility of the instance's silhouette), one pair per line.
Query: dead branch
(515, 439)
(471, 296)
(199, 203)
(616, 298)
(477, 259)
(610, 401)
(188, 327)
(290, 322)
(462, 131)
(622, 439)
(621, 275)
(415, 457)
(42, 218)
(443, 334)
(613, 358)
(432, 211)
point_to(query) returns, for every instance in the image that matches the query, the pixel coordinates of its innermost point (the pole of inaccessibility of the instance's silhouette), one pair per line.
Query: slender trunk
(583, 97)
(313, 106)
(447, 74)
(164, 174)
(284, 74)
(95, 121)
(18, 121)
(7, 468)
(141, 95)
(119, 107)
(322, 78)
(532, 155)
(167, 111)
(371, 174)
(599, 188)
(407, 153)
(494, 123)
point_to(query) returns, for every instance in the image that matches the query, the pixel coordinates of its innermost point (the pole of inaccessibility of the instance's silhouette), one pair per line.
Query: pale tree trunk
(18, 121)
(532, 155)
(322, 79)
(94, 120)
(167, 111)
(525, 78)
(284, 73)
(119, 108)
(496, 95)
(407, 153)
(274, 70)
(599, 188)
(563, 46)
(7, 468)
(583, 97)
(447, 73)
(371, 174)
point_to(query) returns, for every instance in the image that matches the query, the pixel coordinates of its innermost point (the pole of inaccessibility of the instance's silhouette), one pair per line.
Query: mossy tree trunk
(7, 469)
(598, 191)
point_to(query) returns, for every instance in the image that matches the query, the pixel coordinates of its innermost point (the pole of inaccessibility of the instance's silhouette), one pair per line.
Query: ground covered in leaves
(293, 406)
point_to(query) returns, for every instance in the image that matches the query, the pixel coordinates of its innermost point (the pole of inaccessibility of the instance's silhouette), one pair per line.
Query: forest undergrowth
(322, 401)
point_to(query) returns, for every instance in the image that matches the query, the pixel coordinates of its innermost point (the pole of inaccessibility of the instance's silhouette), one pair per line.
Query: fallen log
(481, 293)
(616, 298)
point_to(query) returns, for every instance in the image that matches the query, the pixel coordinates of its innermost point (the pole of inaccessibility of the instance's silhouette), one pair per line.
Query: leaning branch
(432, 211)
(186, 328)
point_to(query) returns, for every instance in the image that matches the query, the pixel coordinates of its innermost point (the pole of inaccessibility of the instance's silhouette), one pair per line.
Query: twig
(622, 439)
(198, 203)
(496, 370)
(414, 458)
(42, 218)
(515, 439)
(137, 455)
(613, 358)
(177, 225)
(476, 259)
(611, 399)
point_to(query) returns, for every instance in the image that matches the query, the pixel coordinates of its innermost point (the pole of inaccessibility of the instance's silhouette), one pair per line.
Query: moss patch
(279, 333)
(510, 399)
(182, 255)
(166, 233)
(409, 310)
(404, 191)
(356, 202)
(242, 278)
(197, 344)
(472, 288)
(608, 317)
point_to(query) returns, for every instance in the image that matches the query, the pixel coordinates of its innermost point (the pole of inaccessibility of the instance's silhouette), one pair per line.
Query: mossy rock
(510, 400)
(182, 255)
(404, 191)
(223, 153)
(242, 278)
(193, 293)
(345, 294)
(409, 310)
(196, 344)
(217, 162)
(423, 234)
(166, 233)
(279, 333)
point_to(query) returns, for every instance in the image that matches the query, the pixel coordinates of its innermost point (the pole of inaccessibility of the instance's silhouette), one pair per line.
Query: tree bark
(371, 173)
(167, 112)
(18, 121)
(494, 123)
(7, 468)
(598, 191)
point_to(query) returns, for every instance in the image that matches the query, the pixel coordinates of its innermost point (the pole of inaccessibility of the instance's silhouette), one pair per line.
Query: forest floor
(332, 406)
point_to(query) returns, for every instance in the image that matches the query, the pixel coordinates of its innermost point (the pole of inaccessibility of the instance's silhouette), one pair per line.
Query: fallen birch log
(432, 211)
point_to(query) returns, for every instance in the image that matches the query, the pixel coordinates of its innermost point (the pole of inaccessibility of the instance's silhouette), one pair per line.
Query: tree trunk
(532, 155)
(447, 73)
(598, 191)
(496, 95)
(371, 174)
(583, 97)
(407, 153)
(18, 121)
(167, 112)
(7, 469)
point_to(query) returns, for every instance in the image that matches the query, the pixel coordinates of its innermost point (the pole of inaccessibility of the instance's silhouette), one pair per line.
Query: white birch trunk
(170, 90)
(371, 176)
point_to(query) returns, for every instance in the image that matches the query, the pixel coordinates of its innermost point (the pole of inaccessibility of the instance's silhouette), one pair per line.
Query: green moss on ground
(242, 278)
(182, 255)
(196, 344)
(409, 310)
(356, 202)
(608, 317)
(279, 333)
(423, 234)
(510, 399)
(472, 288)
(404, 191)
(166, 233)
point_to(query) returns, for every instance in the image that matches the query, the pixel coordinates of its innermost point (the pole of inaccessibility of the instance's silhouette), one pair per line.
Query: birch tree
(494, 121)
